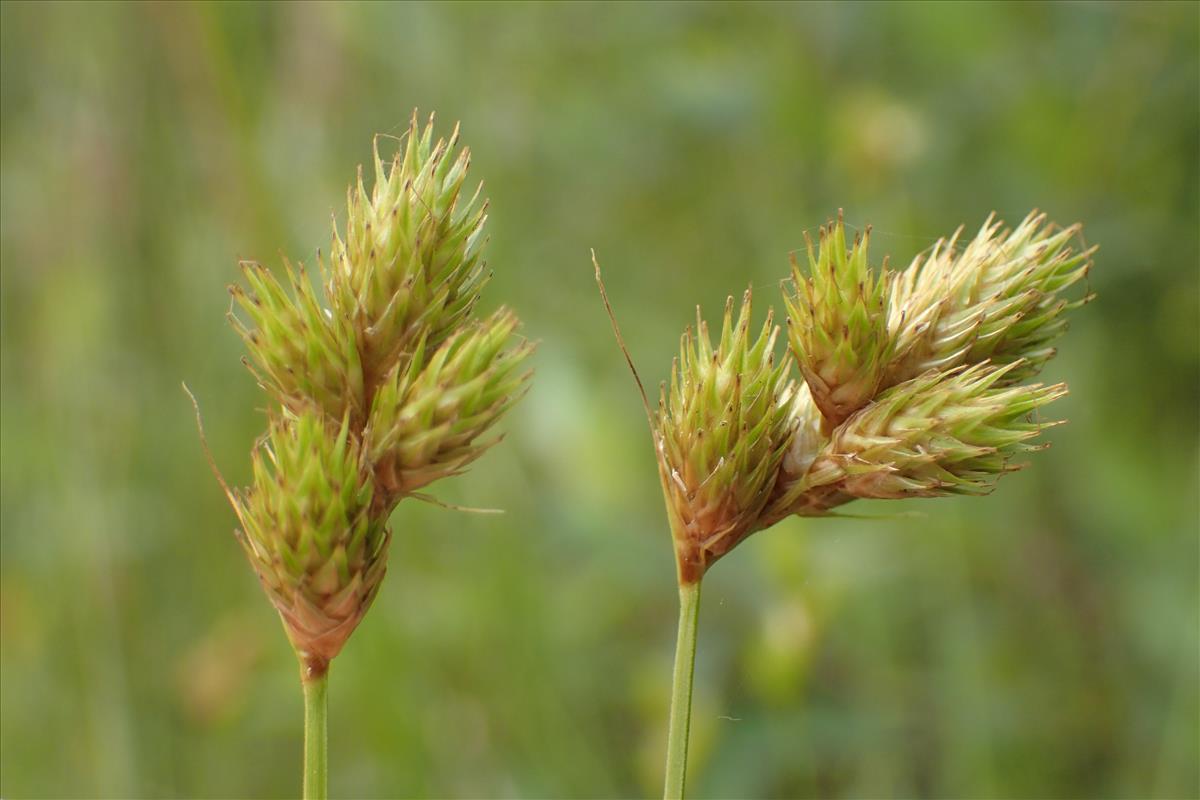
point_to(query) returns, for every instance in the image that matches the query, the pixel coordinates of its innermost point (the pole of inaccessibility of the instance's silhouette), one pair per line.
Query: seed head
(838, 323)
(390, 387)
(913, 385)
(720, 433)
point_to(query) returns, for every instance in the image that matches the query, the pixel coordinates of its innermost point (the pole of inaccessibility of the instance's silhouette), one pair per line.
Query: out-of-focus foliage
(1040, 642)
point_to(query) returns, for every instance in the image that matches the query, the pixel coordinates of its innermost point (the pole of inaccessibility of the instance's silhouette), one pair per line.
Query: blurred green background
(1041, 642)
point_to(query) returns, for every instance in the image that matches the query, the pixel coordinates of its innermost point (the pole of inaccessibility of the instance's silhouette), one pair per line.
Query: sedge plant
(379, 385)
(915, 383)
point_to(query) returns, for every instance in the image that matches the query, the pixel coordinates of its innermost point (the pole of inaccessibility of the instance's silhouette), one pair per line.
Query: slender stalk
(316, 750)
(681, 691)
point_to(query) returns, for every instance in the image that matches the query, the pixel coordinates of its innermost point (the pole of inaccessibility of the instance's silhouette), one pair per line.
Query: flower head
(387, 386)
(950, 411)
(913, 385)
(432, 409)
(303, 354)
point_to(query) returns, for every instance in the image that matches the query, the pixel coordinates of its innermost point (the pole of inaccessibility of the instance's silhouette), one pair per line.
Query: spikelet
(309, 532)
(720, 433)
(998, 299)
(303, 354)
(837, 323)
(429, 414)
(409, 265)
(941, 433)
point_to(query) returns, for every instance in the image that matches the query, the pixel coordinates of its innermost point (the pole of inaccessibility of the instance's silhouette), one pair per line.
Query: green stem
(681, 691)
(316, 750)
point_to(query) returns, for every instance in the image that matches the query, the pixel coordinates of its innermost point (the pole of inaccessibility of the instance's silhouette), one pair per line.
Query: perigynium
(910, 384)
(381, 387)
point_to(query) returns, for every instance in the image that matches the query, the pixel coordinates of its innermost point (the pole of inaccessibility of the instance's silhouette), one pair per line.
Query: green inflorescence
(911, 384)
(384, 385)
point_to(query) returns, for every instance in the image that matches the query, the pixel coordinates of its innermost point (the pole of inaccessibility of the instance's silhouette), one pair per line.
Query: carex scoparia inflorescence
(382, 381)
(383, 386)
(915, 383)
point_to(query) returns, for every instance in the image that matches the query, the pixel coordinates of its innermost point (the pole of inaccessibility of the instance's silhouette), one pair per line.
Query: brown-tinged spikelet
(309, 532)
(720, 433)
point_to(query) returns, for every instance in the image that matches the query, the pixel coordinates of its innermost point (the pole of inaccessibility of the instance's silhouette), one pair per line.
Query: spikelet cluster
(911, 384)
(384, 385)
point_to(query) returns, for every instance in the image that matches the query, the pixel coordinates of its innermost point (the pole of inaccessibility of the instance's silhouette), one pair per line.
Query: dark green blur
(1040, 642)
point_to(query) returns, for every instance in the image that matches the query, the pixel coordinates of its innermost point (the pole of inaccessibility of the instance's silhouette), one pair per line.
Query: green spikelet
(309, 532)
(720, 433)
(997, 299)
(409, 266)
(431, 411)
(303, 354)
(837, 323)
(940, 433)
